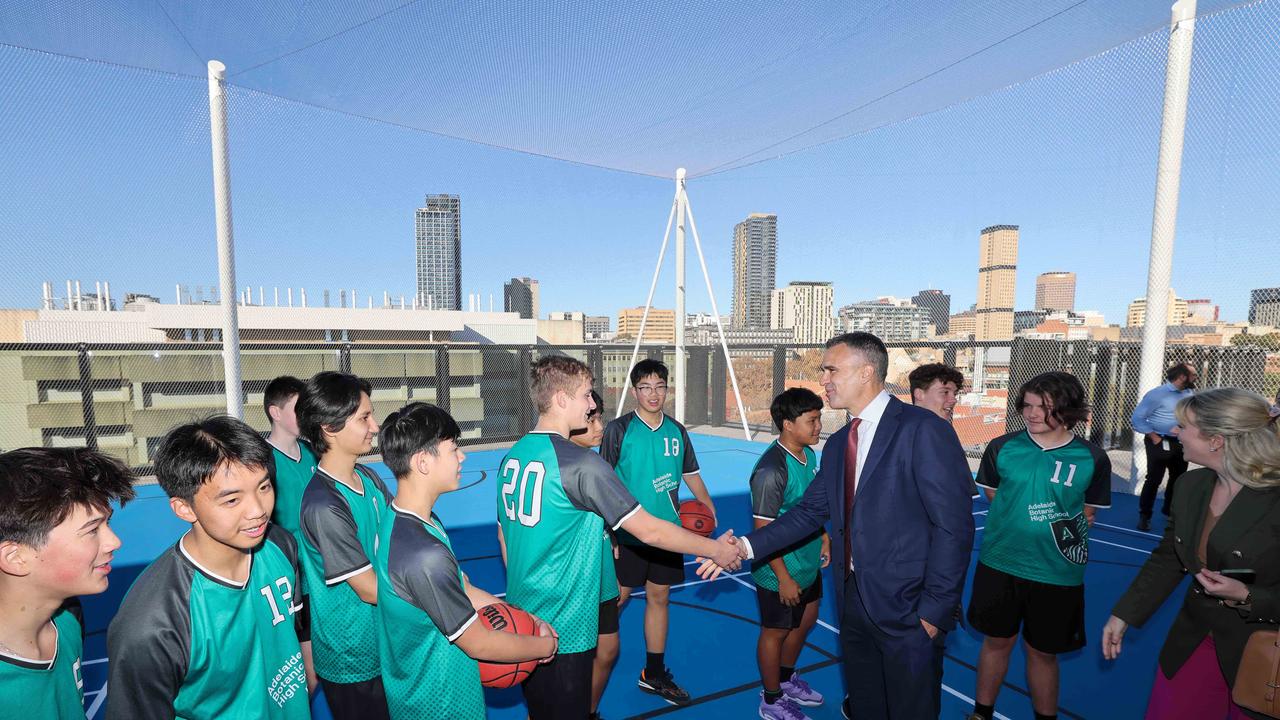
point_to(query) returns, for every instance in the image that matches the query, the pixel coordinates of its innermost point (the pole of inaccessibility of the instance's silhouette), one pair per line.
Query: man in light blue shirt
(1154, 419)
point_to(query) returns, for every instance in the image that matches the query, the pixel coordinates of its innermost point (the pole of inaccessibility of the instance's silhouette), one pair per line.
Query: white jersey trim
(626, 517)
(458, 633)
(347, 576)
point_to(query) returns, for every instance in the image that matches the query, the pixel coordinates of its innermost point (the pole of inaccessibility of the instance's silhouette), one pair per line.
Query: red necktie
(850, 487)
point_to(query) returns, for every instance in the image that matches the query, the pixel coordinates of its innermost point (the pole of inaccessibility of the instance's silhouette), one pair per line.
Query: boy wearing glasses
(651, 452)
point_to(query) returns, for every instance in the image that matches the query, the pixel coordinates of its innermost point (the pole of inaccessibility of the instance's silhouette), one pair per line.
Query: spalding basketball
(697, 518)
(507, 618)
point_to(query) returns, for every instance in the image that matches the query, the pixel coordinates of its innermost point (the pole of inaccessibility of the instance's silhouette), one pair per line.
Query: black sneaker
(664, 687)
(1144, 522)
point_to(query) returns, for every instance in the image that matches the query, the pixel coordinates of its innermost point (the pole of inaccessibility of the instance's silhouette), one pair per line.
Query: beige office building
(806, 308)
(1175, 311)
(1055, 291)
(997, 271)
(660, 328)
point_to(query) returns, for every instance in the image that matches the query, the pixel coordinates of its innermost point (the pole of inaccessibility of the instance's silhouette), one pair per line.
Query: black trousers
(1159, 461)
(889, 677)
(356, 701)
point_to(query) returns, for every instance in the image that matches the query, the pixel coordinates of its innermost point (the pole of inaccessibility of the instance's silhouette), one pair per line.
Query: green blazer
(1247, 536)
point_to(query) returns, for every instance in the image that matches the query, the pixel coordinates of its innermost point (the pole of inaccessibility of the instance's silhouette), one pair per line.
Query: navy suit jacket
(912, 522)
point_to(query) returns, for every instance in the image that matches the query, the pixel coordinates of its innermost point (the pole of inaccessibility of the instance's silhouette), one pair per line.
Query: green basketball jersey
(339, 539)
(189, 644)
(292, 477)
(608, 571)
(650, 462)
(52, 688)
(554, 499)
(424, 610)
(1036, 528)
(778, 481)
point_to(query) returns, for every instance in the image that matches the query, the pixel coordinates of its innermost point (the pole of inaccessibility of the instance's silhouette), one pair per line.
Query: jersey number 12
(526, 505)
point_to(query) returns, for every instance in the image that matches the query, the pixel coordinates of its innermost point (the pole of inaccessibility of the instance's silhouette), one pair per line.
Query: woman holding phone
(1225, 533)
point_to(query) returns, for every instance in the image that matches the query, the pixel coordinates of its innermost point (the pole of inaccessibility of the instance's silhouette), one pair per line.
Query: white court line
(969, 700)
(1129, 530)
(1126, 547)
(976, 529)
(981, 512)
(92, 662)
(92, 711)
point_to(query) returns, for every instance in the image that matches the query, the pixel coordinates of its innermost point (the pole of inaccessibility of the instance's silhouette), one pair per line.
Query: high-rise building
(963, 325)
(438, 225)
(1176, 311)
(596, 327)
(755, 261)
(888, 318)
(1264, 305)
(997, 272)
(660, 328)
(1201, 311)
(938, 304)
(521, 296)
(805, 309)
(1055, 291)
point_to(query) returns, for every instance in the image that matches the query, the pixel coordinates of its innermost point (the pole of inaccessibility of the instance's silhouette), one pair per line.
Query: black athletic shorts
(356, 701)
(561, 689)
(1051, 617)
(608, 617)
(302, 624)
(640, 563)
(773, 614)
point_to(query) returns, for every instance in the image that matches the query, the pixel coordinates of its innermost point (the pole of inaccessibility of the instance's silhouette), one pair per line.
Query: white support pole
(644, 319)
(226, 243)
(1164, 220)
(724, 345)
(681, 379)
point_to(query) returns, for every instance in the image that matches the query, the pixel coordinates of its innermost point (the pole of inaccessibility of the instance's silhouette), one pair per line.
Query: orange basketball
(507, 618)
(697, 518)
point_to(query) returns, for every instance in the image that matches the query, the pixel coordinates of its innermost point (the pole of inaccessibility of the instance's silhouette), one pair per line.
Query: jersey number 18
(527, 507)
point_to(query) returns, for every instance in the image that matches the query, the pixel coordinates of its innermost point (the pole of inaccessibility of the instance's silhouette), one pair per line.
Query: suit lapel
(884, 437)
(841, 438)
(1248, 507)
(1195, 505)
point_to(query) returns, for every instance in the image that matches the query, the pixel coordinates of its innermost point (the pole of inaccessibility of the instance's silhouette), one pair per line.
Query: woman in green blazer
(1225, 517)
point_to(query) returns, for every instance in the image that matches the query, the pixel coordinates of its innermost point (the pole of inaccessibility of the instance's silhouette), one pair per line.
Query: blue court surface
(711, 647)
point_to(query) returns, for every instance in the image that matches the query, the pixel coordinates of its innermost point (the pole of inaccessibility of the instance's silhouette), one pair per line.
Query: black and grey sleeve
(593, 486)
(690, 465)
(1099, 492)
(149, 645)
(611, 445)
(424, 573)
(768, 483)
(330, 528)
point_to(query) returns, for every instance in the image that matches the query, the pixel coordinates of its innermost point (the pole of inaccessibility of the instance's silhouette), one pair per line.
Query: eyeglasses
(652, 389)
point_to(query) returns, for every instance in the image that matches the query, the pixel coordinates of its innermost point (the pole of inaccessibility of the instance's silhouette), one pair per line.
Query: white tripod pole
(644, 319)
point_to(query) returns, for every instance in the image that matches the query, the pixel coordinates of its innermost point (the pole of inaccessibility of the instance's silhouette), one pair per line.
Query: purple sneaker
(799, 692)
(783, 709)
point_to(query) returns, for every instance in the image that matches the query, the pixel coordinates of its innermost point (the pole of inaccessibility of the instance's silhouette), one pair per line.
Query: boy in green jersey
(295, 464)
(1045, 485)
(55, 544)
(651, 453)
(788, 584)
(554, 499)
(342, 508)
(607, 634)
(207, 631)
(429, 638)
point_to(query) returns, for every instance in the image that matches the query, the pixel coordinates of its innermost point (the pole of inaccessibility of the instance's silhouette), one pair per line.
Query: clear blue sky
(106, 173)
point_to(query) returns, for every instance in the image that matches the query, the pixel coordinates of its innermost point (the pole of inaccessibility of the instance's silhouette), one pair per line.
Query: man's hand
(825, 555)
(728, 556)
(788, 591)
(1155, 438)
(929, 628)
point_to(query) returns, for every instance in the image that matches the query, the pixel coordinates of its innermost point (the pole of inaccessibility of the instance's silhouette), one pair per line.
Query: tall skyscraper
(805, 308)
(997, 272)
(755, 262)
(521, 296)
(438, 227)
(1055, 291)
(1264, 306)
(938, 304)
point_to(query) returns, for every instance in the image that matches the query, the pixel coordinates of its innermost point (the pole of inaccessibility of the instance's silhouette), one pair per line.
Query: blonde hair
(1250, 434)
(555, 373)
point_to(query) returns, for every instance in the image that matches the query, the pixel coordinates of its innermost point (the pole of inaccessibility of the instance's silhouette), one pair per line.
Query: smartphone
(1243, 575)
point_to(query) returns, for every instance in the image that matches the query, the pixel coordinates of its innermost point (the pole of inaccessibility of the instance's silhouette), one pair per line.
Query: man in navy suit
(895, 485)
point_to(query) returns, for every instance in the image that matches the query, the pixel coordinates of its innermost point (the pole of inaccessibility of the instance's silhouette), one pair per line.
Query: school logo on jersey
(1069, 537)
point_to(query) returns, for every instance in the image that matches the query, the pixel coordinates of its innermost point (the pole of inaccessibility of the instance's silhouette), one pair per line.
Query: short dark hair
(922, 377)
(792, 403)
(1177, 372)
(647, 367)
(191, 453)
(327, 400)
(39, 488)
(551, 374)
(279, 391)
(599, 401)
(412, 429)
(871, 347)
(1063, 391)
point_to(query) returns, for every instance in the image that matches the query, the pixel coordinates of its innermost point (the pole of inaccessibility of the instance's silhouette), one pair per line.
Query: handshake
(728, 555)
